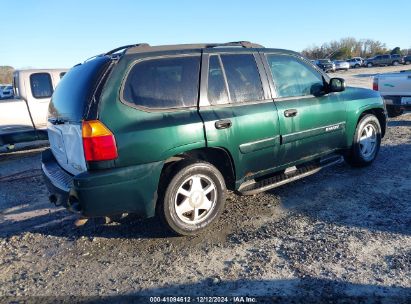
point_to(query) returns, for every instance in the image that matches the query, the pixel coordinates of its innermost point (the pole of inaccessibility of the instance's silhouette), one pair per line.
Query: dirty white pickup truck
(24, 118)
(395, 88)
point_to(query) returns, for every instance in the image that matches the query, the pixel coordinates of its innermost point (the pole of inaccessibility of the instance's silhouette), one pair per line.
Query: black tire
(357, 66)
(395, 63)
(407, 62)
(169, 197)
(394, 111)
(356, 156)
(369, 65)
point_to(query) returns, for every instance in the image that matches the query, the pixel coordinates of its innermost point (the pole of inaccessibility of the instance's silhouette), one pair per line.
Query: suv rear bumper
(108, 192)
(395, 101)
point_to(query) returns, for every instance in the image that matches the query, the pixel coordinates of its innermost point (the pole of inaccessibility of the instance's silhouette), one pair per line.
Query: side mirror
(336, 85)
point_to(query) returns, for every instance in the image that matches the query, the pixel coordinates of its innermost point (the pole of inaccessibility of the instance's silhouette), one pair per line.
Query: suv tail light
(98, 141)
(375, 84)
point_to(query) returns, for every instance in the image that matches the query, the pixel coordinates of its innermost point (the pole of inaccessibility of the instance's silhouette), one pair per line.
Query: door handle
(290, 113)
(223, 124)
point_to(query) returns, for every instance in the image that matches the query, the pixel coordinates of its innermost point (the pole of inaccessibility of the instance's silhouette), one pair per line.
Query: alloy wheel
(195, 199)
(368, 141)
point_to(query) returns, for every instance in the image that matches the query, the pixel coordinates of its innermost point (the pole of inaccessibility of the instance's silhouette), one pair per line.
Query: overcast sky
(50, 34)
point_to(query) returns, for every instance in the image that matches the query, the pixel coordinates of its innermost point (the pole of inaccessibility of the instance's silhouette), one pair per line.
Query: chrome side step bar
(253, 187)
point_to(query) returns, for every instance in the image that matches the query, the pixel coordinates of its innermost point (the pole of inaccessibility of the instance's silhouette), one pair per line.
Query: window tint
(62, 74)
(164, 83)
(293, 77)
(41, 85)
(217, 91)
(244, 82)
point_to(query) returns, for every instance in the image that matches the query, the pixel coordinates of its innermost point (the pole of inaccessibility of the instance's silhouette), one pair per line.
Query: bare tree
(346, 48)
(6, 74)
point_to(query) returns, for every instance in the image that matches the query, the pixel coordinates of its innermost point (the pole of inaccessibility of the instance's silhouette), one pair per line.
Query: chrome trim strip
(288, 138)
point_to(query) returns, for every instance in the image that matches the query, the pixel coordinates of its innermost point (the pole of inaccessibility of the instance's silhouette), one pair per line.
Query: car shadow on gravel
(306, 290)
(61, 224)
(399, 123)
(376, 198)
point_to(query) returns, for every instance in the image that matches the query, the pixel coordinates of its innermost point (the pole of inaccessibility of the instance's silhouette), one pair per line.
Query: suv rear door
(311, 123)
(377, 60)
(237, 110)
(386, 60)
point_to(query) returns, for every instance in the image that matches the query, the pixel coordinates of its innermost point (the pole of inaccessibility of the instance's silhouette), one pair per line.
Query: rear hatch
(70, 104)
(395, 84)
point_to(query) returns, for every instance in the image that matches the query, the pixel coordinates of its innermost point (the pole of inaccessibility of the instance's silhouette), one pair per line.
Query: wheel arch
(380, 114)
(218, 157)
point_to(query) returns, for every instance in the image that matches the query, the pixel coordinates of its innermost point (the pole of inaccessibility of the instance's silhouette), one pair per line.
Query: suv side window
(217, 89)
(41, 86)
(243, 79)
(292, 77)
(164, 83)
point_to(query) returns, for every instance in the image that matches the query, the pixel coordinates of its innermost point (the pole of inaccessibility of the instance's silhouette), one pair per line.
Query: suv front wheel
(366, 142)
(193, 199)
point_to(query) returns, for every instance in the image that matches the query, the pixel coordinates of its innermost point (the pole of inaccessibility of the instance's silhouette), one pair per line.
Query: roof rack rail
(244, 44)
(112, 52)
(125, 47)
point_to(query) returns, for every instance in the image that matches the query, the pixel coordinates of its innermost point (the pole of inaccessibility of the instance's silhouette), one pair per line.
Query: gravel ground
(341, 233)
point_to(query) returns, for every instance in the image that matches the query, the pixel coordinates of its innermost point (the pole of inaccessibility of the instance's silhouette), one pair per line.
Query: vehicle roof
(222, 47)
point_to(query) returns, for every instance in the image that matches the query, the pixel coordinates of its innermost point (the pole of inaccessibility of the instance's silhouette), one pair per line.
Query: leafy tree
(396, 51)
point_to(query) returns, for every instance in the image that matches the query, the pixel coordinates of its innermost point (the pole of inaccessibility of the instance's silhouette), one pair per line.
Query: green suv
(166, 130)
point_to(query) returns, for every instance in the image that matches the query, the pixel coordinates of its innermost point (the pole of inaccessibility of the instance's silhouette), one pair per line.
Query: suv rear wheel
(369, 64)
(395, 63)
(193, 199)
(366, 143)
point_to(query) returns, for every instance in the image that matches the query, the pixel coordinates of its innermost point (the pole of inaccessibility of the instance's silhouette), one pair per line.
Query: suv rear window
(41, 86)
(243, 79)
(164, 83)
(217, 90)
(71, 100)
